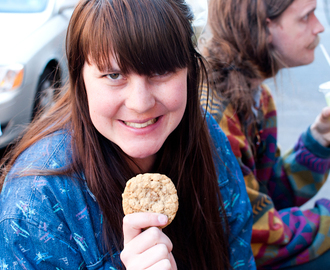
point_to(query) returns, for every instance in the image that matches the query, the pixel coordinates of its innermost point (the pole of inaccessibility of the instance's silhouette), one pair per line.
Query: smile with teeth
(140, 125)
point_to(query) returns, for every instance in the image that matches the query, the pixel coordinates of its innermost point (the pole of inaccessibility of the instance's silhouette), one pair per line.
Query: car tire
(47, 91)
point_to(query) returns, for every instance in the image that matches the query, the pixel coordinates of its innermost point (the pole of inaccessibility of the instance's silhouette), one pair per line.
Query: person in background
(132, 106)
(248, 42)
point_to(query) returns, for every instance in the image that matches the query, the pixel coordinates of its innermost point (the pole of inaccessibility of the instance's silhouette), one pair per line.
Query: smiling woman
(131, 106)
(136, 112)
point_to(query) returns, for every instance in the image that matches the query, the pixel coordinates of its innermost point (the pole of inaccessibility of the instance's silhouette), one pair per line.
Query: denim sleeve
(49, 223)
(25, 245)
(235, 200)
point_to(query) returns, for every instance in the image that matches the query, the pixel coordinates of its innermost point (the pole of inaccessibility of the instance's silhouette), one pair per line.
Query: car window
(23, 6)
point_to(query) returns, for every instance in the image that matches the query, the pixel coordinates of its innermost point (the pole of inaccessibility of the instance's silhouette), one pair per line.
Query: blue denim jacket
(52, 222)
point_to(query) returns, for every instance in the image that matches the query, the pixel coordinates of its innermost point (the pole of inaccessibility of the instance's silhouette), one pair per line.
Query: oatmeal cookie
(151, 192)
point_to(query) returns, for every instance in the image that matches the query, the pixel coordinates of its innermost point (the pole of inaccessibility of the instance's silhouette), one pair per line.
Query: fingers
(147, 239)
(133, 224)
(326, 113)
(156, 255)
(172, 262)
(163, 264)
(320, 129)
(146, 248)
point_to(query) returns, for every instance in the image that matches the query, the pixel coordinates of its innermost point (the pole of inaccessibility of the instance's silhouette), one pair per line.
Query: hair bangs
(143, 36)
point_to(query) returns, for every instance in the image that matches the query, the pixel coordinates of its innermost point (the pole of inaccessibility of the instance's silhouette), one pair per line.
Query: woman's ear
(270, 25)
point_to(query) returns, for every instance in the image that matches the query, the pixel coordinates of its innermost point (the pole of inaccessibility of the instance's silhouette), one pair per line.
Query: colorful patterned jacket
(283, 235)
(53, 222)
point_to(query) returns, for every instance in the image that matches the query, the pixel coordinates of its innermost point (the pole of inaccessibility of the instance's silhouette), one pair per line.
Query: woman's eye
(114, 76)
(163, 73)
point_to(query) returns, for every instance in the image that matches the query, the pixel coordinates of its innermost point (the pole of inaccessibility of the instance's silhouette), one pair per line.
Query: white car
(31, 59)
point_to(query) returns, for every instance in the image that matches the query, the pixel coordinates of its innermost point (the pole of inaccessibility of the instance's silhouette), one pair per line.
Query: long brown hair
(238, 52)
(146, 36)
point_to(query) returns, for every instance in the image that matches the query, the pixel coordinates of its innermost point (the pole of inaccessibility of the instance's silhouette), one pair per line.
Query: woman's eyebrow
(113, 70)
(110, 69)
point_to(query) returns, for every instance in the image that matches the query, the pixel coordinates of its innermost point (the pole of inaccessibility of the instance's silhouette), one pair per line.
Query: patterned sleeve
(304, 168)
(25, 245)
(282, 234)
(235, 200)
(49, 222)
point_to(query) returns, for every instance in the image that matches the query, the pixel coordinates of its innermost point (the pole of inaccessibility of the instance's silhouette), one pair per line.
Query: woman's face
(135, 112)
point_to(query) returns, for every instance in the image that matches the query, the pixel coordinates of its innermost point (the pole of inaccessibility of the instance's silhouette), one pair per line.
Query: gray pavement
(297, 97)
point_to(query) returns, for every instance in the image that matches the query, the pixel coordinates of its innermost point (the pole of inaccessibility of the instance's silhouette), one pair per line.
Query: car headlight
(11, 77)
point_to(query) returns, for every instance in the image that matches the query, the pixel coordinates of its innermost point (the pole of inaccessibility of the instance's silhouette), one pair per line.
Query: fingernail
(162, 219)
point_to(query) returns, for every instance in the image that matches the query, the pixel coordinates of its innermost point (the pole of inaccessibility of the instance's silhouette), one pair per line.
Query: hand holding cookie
(146, 249)
(149, 201)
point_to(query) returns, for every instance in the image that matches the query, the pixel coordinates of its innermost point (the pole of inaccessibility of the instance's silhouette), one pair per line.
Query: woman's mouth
(141, 125)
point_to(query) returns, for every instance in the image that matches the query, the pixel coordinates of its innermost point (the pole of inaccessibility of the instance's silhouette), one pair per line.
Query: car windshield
(23, 6)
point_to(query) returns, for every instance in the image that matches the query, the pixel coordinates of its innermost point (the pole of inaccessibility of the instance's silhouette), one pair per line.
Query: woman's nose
(140, 96)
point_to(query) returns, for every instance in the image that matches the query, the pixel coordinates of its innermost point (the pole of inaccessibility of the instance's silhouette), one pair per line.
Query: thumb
(326, 113)
(133, 224)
